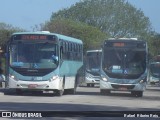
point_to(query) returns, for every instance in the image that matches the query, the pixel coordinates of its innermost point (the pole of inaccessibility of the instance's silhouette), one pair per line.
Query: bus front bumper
(122, 87)
(39, 85)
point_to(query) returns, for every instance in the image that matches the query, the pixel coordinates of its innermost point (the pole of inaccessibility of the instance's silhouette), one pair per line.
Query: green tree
(154, 44)
(117, 18)
(5, 31)
(91, 36)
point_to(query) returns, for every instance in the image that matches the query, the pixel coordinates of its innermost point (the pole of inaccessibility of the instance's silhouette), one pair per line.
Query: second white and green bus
(154, 70)
(124, 66)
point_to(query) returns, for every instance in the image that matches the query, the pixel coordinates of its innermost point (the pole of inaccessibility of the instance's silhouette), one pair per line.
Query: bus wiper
(117, 54)
(46, 43)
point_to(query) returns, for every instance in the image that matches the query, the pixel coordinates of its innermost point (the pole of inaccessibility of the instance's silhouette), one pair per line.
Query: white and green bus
(92, 67)
(43, 61)
(154, 70)
(124, 66)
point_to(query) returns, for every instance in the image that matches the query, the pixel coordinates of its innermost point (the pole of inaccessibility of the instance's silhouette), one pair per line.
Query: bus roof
(155, 63)
(63, 37)
(123, 39)
(94, 50)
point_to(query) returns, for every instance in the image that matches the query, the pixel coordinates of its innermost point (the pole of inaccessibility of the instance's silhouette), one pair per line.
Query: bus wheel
(60, 92)
(73, 91)
(105, 92)
(92, 85)
(137, 93)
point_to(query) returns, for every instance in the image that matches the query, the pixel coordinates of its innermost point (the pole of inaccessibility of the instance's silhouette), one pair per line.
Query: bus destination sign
(118, 44)
(34, 37)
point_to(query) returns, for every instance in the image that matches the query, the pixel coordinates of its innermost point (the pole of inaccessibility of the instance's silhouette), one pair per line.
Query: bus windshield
(33, 55)
(124, 62)
(155, 69)
(93, 61)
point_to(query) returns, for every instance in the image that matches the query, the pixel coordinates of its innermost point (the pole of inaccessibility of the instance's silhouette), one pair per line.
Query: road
(86, 99)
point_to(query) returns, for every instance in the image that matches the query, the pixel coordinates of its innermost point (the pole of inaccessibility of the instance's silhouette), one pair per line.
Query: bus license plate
(32, 85)
(123, 88)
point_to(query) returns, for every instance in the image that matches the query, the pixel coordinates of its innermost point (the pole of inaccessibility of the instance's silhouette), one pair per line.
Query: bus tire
(73, 91)
(60, 92)
(137, 93)
(105, 92)
(92, 84)
(19, 92)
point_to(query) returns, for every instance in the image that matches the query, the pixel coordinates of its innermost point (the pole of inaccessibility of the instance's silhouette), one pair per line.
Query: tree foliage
(154, 44)
(117, 18)
(5, 31)
(91, 36)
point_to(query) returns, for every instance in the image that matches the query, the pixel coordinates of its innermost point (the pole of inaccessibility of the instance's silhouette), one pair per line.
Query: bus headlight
(104, 78)
(13, 77)
(143, 79)
(54, 78)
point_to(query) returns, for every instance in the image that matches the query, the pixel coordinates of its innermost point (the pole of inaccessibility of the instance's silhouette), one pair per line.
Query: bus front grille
(128, 87)
(33, 72)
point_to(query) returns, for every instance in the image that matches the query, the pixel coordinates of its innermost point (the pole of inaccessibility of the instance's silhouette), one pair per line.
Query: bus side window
(64, 52)
(61, 52)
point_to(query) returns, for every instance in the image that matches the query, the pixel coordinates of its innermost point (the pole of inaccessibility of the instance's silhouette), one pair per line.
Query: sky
(26, 14)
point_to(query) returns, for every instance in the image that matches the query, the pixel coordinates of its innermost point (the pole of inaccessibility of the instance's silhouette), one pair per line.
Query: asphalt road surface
(86, 99)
